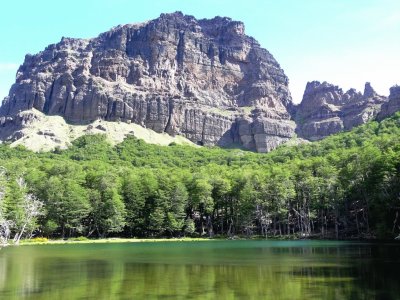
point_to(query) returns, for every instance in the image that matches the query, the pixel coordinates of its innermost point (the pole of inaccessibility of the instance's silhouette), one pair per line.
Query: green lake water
(202, 270)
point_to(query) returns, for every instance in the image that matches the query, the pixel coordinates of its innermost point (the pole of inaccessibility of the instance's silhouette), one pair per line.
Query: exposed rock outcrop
(393, 105)
(39, 132)
(326, 109)
(203, 79)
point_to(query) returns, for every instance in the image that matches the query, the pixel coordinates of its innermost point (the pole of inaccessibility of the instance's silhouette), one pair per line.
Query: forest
(343, 187)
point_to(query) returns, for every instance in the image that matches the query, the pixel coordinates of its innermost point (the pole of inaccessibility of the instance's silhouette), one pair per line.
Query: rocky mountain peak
(325, 109)
(392, 105)
(203, 79)
(313, 86)
(317, 93)
(394, 92)
(369, 92)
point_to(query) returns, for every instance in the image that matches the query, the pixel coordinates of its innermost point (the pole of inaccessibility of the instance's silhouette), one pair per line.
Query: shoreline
(110, 240)
(184, 239)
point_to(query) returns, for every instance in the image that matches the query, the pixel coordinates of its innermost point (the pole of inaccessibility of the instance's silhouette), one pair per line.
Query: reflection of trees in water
(276, 273)
(3, 272)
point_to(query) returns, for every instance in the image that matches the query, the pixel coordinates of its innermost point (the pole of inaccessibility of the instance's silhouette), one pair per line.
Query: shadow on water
(206, 270)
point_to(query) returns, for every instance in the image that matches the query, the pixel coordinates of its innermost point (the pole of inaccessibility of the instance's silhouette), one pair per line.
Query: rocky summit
(393, 104)
(325, 109)
(203, 79)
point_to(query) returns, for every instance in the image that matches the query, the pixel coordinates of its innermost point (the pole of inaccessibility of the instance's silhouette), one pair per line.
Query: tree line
(345, 186)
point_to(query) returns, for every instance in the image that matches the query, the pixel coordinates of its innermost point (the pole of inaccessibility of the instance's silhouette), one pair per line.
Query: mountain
(203, 79)
(176, 80)
(325, 109)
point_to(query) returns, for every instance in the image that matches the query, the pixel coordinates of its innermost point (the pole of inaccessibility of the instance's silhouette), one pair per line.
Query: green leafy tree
(67, 205)
(108, 210)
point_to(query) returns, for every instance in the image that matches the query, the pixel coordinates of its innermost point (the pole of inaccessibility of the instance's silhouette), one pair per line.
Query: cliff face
(203, 79)
(326, 109)
(393, 105)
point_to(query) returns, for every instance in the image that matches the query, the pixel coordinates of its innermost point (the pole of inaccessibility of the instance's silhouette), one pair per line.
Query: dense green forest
(345, 186)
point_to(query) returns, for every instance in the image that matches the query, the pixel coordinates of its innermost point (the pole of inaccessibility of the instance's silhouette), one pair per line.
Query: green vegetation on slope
(347, 185)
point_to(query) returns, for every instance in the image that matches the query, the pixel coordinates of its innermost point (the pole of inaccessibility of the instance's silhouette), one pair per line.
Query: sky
(344, 42)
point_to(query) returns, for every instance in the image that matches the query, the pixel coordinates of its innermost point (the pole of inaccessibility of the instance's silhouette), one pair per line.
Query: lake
(202, 270)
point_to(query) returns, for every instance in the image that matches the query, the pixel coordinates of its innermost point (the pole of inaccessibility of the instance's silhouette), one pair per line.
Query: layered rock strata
(203, 79)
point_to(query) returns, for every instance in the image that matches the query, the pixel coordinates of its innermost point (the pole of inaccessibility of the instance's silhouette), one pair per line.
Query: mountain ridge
(202, 79)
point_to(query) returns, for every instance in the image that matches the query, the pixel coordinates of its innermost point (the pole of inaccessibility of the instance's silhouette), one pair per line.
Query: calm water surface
(202, 270)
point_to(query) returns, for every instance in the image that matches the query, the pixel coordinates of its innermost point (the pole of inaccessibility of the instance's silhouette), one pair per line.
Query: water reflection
(207, 270)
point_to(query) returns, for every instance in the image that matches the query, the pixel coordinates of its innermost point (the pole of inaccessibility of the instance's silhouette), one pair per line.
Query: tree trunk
(280, 230)
(358, 226)
(18, 235)
(210, 227)
(395, 221)
(230, 229)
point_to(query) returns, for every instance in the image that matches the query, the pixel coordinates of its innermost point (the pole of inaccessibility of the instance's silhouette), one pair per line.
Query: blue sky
(345, 42)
